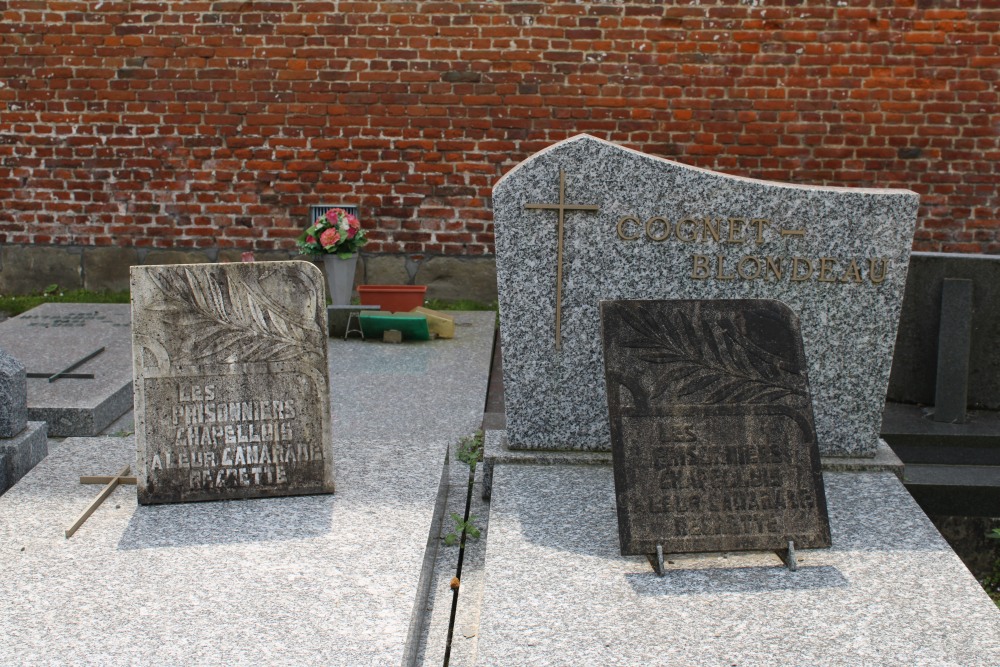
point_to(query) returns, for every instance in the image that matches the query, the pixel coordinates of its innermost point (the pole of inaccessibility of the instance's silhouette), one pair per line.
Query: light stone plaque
(586, 220)
(231, 383)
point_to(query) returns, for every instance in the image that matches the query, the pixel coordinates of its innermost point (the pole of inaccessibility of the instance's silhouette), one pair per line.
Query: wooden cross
(111, 483)
(562, 207)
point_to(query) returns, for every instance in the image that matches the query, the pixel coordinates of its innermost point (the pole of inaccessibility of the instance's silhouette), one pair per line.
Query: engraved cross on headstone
(561, 207)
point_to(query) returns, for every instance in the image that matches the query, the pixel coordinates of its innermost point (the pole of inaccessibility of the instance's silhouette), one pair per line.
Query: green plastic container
(413, 326)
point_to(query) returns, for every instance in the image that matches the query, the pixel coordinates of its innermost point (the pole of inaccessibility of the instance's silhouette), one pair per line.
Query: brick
(162, 128)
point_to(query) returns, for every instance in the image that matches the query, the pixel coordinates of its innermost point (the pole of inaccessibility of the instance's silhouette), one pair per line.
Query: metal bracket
(657, 561)
(787, 557)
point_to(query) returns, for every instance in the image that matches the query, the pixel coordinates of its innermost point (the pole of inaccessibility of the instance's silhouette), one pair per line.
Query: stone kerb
(837, 256)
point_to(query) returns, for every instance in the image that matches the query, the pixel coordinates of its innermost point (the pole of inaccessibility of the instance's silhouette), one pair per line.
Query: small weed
(470, 449)
(462, 529)
(459, 304)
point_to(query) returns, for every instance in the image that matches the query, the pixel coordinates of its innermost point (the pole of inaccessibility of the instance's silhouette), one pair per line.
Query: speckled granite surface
(889, 592)
(21, 453)
(312, 580)
(497, 452)
(13, 396)
(53, 336)
(555, 399)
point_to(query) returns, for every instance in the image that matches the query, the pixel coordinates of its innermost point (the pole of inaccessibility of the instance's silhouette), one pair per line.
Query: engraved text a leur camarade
(218, 439)
(753, 231)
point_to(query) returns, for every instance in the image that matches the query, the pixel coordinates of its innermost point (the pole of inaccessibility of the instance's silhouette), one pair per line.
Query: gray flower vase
(340, 277)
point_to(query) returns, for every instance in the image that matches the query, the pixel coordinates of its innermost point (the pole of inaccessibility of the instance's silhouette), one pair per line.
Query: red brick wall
(199, 124)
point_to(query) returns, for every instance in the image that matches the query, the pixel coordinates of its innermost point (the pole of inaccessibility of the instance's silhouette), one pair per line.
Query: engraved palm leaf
(710, 360)
(217, 322)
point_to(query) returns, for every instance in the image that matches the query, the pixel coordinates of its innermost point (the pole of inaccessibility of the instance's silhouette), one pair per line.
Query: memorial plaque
(712, 431)
(232, 390)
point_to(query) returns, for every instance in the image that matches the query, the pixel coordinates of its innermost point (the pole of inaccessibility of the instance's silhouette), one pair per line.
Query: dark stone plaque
(232, 390)
(712, 431)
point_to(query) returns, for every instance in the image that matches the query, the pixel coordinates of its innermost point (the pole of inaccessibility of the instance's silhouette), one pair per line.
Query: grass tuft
(15, 305)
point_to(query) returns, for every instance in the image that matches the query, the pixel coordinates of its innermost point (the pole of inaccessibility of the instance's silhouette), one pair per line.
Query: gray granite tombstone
(712, 432)
(13, 396)
(22, 443)
(586, 220)
(78, 362)
(232, 391)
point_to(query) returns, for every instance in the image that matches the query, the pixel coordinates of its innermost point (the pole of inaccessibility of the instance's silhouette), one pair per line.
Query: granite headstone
(712, 432)
(232, 390)
(13, 396)
(22, 443)
(586, 220)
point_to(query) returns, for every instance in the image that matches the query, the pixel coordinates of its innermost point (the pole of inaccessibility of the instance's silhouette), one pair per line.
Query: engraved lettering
(874, 275)
(852, 274)
(719, 272)
(699, 268)
(694, 230)
(825, 265)
(799, 261)
(709, 230)
(736, 230)
(621, 228)
(774, 267)
(759, 223)
(650, 226)
(741, 268)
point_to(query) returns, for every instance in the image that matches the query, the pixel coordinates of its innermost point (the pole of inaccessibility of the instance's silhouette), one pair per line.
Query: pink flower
(310, 239)
(352, 226)
(329, 238)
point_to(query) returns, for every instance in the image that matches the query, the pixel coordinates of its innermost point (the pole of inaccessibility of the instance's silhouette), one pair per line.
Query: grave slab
(304, 580)
(586, 220)
(888, 592)
(55, 336)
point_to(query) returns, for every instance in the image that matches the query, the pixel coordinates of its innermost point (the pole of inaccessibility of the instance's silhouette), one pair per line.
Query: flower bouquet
(335, 233)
